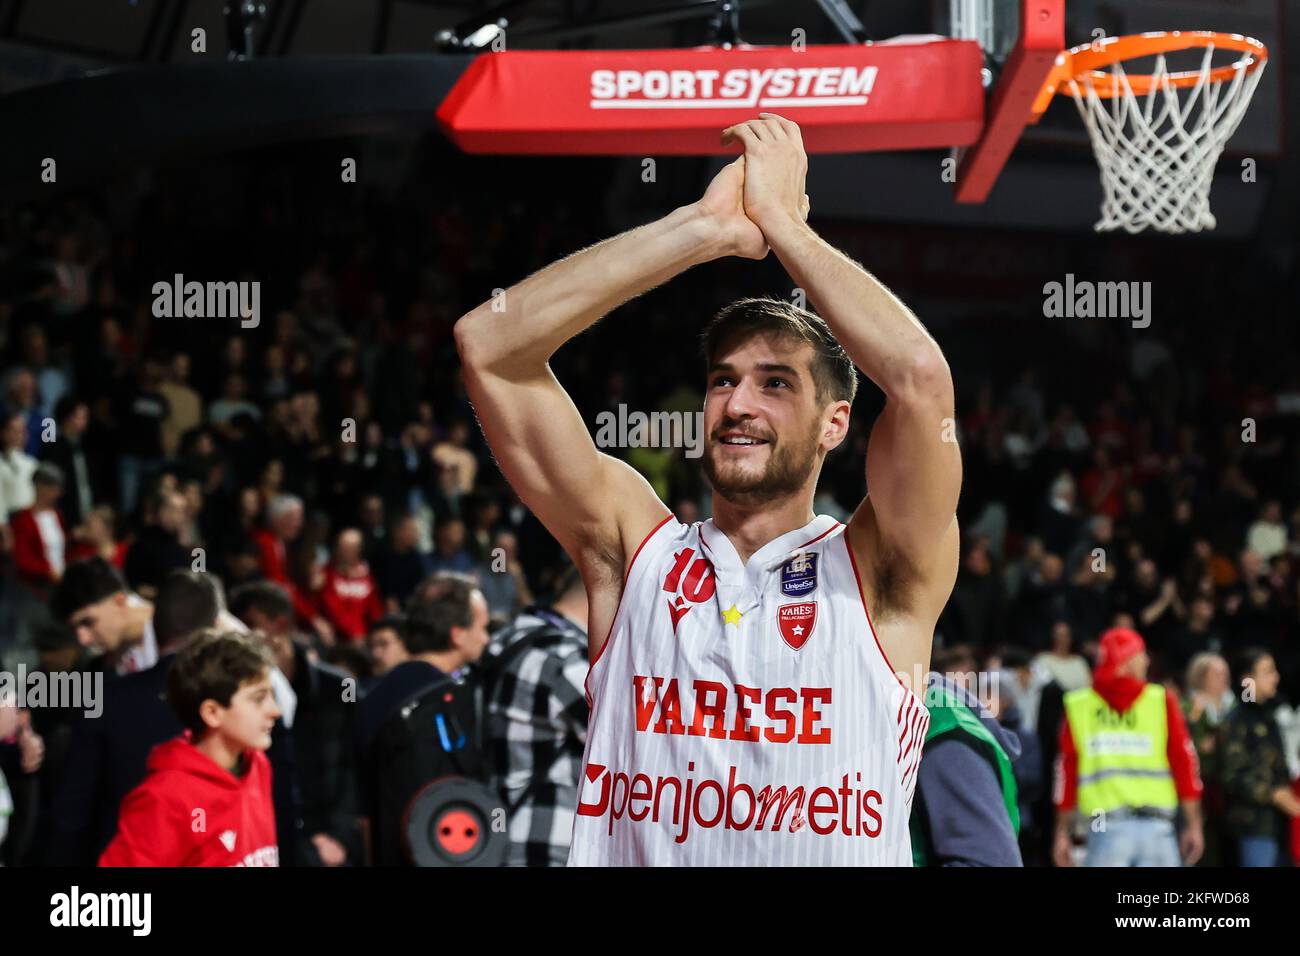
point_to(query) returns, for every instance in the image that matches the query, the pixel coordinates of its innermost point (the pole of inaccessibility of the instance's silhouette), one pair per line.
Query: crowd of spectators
(332, 450)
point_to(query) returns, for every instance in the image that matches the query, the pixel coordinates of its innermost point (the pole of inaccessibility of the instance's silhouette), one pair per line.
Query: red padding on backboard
(643, 102)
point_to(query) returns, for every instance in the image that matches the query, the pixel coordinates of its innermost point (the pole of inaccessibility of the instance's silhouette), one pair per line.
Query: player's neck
(749, 525)
(137, 617)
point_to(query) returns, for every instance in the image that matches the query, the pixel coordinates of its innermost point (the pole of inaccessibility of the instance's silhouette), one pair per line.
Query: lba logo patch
(796, 622)
(799, 575)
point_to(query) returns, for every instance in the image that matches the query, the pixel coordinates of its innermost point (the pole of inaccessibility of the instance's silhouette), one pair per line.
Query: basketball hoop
(1157, 136)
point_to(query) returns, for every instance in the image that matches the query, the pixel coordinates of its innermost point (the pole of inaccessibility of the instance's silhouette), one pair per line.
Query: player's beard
(789, 464)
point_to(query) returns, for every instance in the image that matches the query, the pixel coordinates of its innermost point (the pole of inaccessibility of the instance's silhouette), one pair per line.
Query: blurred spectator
(454, 457)
(184, 406)
(386, 644)
(16, 468)
(1208, 700)
(108, 751)
(59, 658)
(349, 595)
(1060, 664)
(21, 400)
(71, 276)
(235, 540)
(1102, 485)
(537, 723)
(966, 809)
(974, 612)
(1135, 786)
(158, 549)
(92, 599)
(449, 552)
(446, 630)
(1196, 636)
(320, 731)
(22, 753)
(284, 517)
(502, 579)
(1154, 604)
(401, 565)
(50, 381)
(485, 522)
(82, 470)
(1042, 600)
(1268, 535)
(141, 411)
(1253, 766)
(374, 530)
(1059, 526)
(95, 538)
(233, 402)
(40, 538)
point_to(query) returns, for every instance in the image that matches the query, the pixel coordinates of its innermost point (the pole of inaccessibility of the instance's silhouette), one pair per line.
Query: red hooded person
(1119, 679)
(191, 812)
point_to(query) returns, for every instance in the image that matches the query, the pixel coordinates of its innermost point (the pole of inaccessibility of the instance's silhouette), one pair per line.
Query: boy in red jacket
(207, 798)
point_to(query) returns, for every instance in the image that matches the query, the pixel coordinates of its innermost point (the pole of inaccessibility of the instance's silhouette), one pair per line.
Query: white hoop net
(1157, 151)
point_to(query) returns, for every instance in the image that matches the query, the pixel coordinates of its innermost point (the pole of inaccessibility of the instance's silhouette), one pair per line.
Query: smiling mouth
(741, 441)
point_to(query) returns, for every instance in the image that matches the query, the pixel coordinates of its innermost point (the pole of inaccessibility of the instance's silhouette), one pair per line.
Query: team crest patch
(796, 621)
(799, 575)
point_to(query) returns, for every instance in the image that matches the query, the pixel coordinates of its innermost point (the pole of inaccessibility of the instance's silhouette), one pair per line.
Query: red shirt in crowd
(31, 555)
(275, 567)
(351, 600)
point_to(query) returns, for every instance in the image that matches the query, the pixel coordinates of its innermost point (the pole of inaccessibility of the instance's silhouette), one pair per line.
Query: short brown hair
(213, 666)
(439, 604)
(832, 369)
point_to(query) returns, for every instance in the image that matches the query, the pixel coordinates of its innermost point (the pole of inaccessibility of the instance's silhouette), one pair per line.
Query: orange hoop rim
(1084, 62)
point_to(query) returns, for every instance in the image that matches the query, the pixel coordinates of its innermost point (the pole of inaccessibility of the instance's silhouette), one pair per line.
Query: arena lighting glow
(483, 36)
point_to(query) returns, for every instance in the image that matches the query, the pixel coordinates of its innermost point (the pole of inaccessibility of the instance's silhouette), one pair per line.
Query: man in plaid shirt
(537, 723)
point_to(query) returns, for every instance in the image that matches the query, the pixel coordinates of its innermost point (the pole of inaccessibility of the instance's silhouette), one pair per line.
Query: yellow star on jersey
(732, 616)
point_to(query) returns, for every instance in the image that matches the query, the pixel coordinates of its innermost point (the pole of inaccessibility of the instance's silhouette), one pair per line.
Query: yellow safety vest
(1122, 758)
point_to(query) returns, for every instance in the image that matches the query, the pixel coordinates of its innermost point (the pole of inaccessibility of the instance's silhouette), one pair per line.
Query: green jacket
(952, 719)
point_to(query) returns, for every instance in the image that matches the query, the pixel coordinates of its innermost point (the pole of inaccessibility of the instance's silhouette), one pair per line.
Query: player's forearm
(519, 331)
(879, 332)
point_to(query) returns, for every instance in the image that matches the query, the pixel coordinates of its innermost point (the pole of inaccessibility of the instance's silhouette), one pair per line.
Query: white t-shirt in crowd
(47, 522)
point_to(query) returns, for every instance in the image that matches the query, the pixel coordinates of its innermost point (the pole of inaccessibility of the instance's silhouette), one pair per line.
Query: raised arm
(905, 532)
(597, 506)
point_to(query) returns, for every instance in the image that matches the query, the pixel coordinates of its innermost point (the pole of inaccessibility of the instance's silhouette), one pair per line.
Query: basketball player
(754, 677)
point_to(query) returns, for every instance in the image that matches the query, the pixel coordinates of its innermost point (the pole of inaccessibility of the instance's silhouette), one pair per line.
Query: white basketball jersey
(745, 715)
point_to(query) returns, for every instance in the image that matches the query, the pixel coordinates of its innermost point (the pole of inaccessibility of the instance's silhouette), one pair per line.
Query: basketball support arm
(1041, 40)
